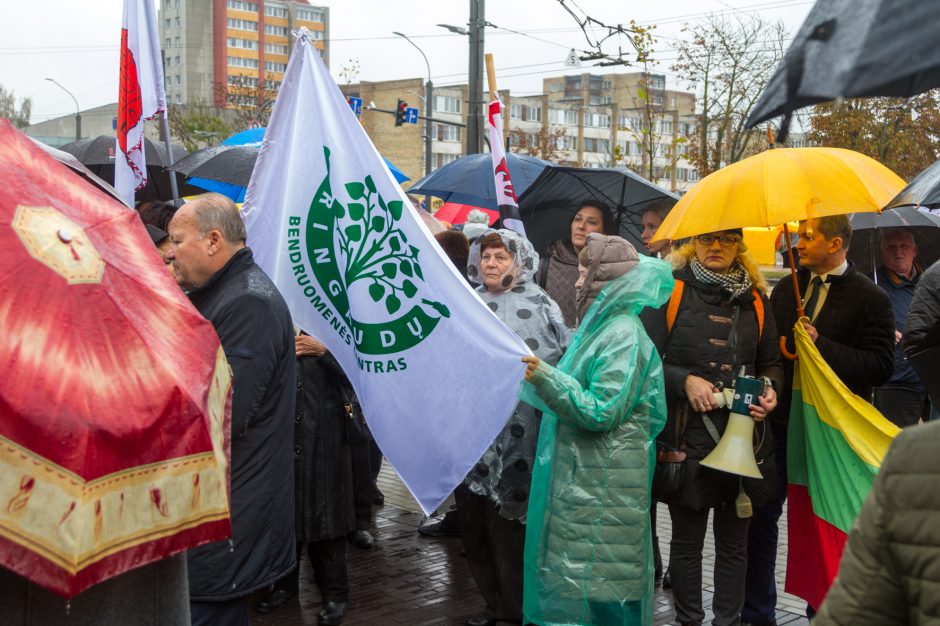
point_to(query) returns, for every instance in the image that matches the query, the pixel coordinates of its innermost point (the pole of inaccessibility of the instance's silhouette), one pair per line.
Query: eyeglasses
(726, 241)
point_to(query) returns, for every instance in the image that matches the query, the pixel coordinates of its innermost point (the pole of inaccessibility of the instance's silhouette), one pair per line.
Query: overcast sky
(76, 42)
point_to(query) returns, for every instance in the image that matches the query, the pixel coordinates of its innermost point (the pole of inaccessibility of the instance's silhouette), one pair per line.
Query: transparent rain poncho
(588, 553)
(504, 473)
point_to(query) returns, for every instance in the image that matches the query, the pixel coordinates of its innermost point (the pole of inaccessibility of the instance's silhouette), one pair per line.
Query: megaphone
(735, 452)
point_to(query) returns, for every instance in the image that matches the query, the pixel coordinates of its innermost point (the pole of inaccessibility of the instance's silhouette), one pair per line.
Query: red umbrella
(457, 213)
(115, 392)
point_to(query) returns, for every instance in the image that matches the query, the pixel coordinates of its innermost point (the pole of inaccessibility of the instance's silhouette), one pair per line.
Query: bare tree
(645, 126)
(197, 125)
(543, 144)
(728, 63)
(251, 99)
(19, 116)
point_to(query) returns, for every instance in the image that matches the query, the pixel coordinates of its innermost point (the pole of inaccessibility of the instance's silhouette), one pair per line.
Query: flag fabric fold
(141, 95)
(835, 444)
(505, 193)
(435, 371)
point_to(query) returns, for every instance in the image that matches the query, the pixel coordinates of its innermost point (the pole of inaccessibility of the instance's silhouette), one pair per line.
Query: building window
(310, 15)
(166, 24)
(596, 145)
(272, 85)
(275, 48)
(271, 66)
(176, 41)
(279, 31)
(515, 111)
(442, 159)
(178, 23)
(273, 11)
(597, 120)
(608, 84)
(242, 62)
(447, 104)
(178, 62)
(446, 132)
(242, 81)
(178, 99)
(241, 5)
(238, 24)
(246, 44)
(178, 79)
(167, 43)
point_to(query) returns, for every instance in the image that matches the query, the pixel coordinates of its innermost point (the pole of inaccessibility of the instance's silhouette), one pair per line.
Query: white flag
(436, 373)
(505, 193)
(141, 95)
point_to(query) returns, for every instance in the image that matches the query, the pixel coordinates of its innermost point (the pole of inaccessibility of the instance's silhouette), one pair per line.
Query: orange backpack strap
(672, 309)
(759, 311)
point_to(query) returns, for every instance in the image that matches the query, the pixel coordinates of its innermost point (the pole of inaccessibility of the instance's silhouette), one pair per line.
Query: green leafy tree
(20, 115)
(197, 126)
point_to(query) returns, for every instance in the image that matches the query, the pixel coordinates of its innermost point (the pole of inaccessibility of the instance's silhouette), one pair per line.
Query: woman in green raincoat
(588, 548)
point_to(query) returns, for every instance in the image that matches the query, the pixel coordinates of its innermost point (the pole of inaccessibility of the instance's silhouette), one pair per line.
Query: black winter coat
(923, 318)
(698, 345)
(254, 326)
(856, 332)
(323, 496)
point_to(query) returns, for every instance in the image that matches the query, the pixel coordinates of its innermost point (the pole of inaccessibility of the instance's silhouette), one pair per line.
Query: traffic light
(401, 112)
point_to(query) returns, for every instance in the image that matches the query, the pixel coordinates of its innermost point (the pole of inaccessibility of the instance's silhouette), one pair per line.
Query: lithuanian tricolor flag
(835, 444)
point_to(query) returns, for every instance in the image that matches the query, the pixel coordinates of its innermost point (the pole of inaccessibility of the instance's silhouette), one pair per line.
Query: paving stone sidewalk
(410, 579)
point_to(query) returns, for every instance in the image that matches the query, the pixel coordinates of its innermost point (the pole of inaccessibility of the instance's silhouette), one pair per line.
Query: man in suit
(852, 324)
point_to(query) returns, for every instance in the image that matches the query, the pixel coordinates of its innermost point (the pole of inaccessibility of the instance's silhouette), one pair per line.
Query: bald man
(212, 263)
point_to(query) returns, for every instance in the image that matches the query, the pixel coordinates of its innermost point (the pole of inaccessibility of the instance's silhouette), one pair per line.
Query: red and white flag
(141, 96)
(505, 194)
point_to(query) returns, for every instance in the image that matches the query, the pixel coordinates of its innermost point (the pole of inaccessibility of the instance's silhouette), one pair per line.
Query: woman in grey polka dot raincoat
(493, 500)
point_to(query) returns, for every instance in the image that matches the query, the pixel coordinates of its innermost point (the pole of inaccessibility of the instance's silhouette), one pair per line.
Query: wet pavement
(410, 579)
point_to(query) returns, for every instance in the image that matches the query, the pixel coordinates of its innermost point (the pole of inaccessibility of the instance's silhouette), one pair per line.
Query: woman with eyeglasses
(717, 321)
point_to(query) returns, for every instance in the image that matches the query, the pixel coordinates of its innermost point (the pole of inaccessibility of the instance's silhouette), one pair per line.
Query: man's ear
(214, 237)
(835, 244)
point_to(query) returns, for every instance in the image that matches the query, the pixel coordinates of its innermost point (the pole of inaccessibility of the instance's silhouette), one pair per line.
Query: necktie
(810, 307)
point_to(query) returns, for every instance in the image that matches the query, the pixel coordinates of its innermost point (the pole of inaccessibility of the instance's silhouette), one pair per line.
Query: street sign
(411, 115)
(572, 60)
(356, 105)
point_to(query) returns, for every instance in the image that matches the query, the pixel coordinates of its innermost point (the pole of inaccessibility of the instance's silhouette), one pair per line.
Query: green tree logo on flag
(361, 246)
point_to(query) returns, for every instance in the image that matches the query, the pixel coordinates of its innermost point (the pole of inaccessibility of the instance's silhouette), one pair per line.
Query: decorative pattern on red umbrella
(116, 393)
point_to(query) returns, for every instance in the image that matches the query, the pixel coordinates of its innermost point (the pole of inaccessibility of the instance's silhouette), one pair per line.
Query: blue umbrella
(469, 179)
(252, 137)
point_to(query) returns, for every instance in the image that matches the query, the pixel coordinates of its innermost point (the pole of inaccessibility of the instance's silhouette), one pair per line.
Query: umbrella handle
(785, 352)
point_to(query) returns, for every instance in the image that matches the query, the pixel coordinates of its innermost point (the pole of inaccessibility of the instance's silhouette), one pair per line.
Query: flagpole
(165, 131)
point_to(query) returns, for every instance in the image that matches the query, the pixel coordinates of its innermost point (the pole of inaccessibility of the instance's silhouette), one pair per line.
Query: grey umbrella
(550, 201)
(227, 164)
(865, 249)
(924, 190)
(855, 48)
(97, 154)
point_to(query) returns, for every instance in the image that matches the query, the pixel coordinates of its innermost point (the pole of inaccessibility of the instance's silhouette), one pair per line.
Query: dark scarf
(735, 282)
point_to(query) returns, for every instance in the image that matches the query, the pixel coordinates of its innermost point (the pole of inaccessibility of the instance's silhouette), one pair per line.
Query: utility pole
(475, 95)
(78, 110)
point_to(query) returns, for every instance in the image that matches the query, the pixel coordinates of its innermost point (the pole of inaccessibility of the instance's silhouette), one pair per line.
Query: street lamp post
(475, 83)
(428, 105)
(78, 111)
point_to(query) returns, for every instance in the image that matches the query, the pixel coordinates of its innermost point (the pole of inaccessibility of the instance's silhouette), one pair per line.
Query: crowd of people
(628, 352)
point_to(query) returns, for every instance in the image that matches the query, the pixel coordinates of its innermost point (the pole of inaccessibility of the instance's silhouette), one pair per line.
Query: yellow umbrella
(779, 186)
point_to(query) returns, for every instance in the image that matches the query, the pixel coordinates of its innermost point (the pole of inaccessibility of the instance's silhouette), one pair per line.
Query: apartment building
(210, 46)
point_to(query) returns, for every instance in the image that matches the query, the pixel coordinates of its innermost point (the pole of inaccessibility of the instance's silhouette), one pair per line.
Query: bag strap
(543, 270)
(672, 309)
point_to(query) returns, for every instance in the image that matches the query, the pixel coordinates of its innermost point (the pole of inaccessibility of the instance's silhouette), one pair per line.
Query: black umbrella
(924, 190)
(70, 161)
(855, 48)
(549, 202)
(865, 251)
(227, 164)
(469, 179)
(97, 154)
